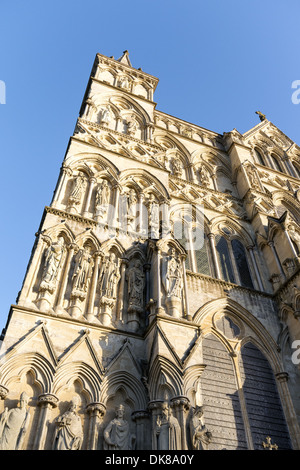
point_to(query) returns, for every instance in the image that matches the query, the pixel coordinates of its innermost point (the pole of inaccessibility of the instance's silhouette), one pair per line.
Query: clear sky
(218, 61)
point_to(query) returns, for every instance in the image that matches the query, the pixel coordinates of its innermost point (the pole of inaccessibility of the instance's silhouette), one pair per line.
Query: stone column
(141, 418)
(290, 243)
(92, 181)
(142, 225)
(211, 237)
(33, 269)
(289, 411)
(92, 293)
(154, 407)
(96, 412)
(46, 402)
(64, 280)
(254, 264)
(158, 281)
(120, 298)
(180, 406)
(117, 189)
(186, 297)
(276, 257)
(65, 171)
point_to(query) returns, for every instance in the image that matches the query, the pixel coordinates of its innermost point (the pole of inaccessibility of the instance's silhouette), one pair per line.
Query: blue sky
(217, 61)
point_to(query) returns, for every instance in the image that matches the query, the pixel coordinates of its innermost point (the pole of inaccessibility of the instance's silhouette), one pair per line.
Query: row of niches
(71, 424)
(126, 81)
(106, 284)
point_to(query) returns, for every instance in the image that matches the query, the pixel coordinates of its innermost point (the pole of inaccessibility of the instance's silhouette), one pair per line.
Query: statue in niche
(109, 277)
(124, 83)
(53, 261)
(253, 179)
(131, 207)
(200, 436)
(14, 424)
(177, 166)
(173, 275)
(78, 190)
(105, 115)
(117, 435)
(69, 432)
(136, 284)
(153, 211)
(102, 198)
(82, 271)
(203, 176)
(132, 126)
(167, 430)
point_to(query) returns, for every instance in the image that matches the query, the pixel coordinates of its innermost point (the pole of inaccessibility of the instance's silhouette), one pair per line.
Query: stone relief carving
(177, 167)
(153, 216)
(69, 433)
(173, 275)
(167, 430)
(109, 277)
(105, 115)
(102, 199)
(200, 436)
(117, 435)
(54, 256)
(204, 177)
(78, 190)
(14, 424)
(82, 271)
(136, 284)
(132, 126)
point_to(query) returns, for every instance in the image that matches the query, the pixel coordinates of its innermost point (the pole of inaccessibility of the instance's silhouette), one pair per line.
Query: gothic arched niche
(264, 409)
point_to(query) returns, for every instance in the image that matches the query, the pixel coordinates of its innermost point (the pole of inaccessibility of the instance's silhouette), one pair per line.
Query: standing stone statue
(82, 271)
(78, 190)
(117, 435)
(167, 430)
(200, 435)
(109, 277)
(136, 284)
(173, 275)
(14, 424)
(68, 433)
(53, 260)
(102, 199)
(105, 115)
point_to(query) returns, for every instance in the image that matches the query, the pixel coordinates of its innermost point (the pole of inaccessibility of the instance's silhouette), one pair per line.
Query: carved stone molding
(48, 398)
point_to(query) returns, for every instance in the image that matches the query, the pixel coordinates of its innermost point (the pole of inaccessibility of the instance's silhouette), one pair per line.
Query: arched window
(241, 262)
(276, 163)
(297, 170)
(202, 259)
(264, 409)
(259, 157)
(224, 259)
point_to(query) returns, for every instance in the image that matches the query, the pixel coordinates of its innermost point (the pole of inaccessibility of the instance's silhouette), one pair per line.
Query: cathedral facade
(161, 303)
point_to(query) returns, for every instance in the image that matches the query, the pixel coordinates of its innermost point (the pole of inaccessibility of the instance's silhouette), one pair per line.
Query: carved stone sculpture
(68, 433)
(173, 282)
(153, 215)
(117, 435)
(77, 191)
(82, 271)
(177, 167)
(167, 430)
(173, 278)
(52, 264)
(136, 284)
(105, 115)
(200, 436)
(203, 176)
(109, 277)
(13, 425)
